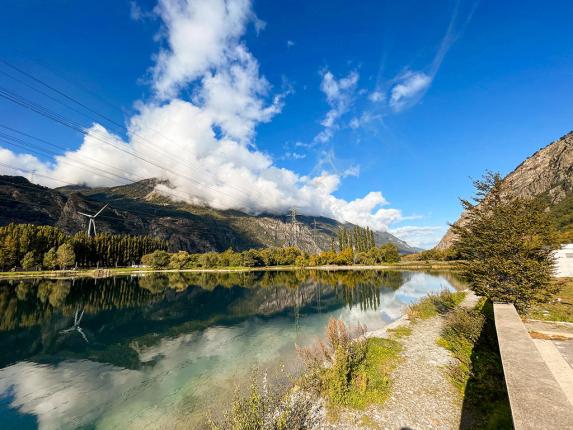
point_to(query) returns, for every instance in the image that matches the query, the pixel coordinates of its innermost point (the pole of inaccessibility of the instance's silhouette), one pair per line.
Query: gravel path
(422, 396)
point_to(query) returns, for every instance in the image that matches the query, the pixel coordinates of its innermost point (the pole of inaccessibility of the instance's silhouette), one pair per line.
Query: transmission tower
(293, 226)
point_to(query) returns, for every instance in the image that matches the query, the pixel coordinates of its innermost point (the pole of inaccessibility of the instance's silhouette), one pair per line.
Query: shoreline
(123, 271)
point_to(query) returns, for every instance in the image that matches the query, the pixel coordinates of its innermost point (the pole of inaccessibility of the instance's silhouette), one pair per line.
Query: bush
(349, 369)
(269, 406)
(434, 304)
(469, 334)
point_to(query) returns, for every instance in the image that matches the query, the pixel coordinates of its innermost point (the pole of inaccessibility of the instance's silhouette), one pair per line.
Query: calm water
(158, 351)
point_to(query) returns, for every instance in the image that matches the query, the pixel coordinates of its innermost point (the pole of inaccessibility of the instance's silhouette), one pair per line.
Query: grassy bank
(116, 271)
(560, 307)
(469, 334)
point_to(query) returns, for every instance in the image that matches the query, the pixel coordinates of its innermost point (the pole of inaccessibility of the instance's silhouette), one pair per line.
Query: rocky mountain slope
(547, 174)
(138, 209)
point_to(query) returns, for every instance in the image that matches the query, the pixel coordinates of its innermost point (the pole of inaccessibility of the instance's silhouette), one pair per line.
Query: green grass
(400, 332)
(370, 381)
(435, 304)
(469, 334)
(556, 310)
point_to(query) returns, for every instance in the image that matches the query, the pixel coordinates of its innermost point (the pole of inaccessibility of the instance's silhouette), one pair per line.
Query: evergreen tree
(506, 242)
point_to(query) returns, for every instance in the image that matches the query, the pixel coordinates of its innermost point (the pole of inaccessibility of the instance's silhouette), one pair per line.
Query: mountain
(548, 175)
(139, 209)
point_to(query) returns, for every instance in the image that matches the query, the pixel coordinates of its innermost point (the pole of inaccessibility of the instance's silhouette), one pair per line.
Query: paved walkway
(536, 374)
(554, 341)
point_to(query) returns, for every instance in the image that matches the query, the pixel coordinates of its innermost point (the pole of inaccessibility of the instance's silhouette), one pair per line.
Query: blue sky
(375, 112)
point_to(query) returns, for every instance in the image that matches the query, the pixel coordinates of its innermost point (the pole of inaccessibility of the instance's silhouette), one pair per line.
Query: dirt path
(422, 396)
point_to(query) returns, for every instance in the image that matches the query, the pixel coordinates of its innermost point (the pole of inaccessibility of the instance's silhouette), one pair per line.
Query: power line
(77, 127)
(120, 126)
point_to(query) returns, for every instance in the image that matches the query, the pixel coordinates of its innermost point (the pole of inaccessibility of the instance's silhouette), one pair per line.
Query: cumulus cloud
(409, 88)
(204, 144)
(421, 236)
(339, 94)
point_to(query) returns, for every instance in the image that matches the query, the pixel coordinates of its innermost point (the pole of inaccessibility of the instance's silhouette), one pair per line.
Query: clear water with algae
(159, 351)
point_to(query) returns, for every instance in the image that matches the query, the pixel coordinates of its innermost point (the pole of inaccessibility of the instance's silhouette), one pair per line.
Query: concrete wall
(564, 261)
(537, 400)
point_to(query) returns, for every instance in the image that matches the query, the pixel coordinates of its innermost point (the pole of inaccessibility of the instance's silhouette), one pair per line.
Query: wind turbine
(76, 325)
(91, 223)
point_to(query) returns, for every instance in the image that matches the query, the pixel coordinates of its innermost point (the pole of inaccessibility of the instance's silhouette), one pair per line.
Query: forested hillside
(137, 209)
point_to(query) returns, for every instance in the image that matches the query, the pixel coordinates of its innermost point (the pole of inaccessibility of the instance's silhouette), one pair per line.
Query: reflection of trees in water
(31, 302)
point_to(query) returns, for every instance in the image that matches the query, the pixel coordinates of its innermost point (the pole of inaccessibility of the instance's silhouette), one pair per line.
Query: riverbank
(446, 376)
(119, 271)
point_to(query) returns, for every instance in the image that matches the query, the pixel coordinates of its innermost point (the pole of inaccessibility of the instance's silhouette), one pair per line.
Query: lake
(160, 351)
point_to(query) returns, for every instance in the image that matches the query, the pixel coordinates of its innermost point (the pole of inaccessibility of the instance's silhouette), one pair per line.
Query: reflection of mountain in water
(162, 350)
(121, 310)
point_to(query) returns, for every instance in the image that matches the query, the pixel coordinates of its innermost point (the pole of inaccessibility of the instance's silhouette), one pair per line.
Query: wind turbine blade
(81, 213)
(83, 335)
(106, 205)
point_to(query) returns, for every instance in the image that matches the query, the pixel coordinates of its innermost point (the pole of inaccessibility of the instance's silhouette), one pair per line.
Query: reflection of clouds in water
(181, 375)
(61, 396)
(393, 303)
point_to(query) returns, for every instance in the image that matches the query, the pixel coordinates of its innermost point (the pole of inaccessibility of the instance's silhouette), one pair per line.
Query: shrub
(469, 334)
(349, 369)
(434, 304)
(271, 406)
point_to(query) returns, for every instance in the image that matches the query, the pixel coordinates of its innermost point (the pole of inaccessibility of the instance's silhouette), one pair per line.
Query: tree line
(268, 257)
(358, 238)
(32, 247)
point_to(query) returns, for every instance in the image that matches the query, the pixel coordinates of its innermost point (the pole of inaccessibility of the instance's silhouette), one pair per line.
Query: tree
(66, 256)
(50, 259)
(157, 259)
(506, 242)
(29, 262)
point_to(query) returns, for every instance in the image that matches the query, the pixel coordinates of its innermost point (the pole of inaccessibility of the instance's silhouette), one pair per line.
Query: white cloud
(290, 43)
(364, 118)
(421, 236)
(376, 96)
(339, 95)
(205, 146)
(409, 88)
(201, 35)
(294, 156)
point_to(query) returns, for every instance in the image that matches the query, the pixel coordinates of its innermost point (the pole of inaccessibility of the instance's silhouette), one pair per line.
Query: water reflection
(159, 349)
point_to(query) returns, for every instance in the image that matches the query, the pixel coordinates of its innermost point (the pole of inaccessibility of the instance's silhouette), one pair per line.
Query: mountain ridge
(139, 209)
(547, 173)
